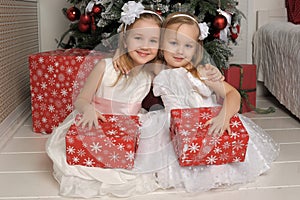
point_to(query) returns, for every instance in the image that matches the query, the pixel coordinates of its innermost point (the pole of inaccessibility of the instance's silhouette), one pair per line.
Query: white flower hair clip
(204, 30)
(203, 27)
(132, 11)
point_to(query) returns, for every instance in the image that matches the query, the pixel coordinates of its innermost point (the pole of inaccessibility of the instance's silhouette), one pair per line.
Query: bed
(276, 52)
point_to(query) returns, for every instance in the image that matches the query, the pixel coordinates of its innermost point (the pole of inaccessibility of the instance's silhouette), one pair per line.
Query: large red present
(112, 145)
(243, 78)
(55, 79)
(194, 146)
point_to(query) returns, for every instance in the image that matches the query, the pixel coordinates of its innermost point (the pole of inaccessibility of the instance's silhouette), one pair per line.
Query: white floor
(25, 169)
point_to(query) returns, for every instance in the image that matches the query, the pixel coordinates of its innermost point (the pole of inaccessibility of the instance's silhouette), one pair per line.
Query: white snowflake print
(237, 159)
(79, 58)
(96, 147)
(69, 70)
(109, 142)
(51, 108)
(64, 92)
(81, 152)
(237, 145)
(215, 141)
(44, 120)
(44, 85)
(51, 81)
(114, 157)
(113, 119)
(129, 156)
(120, 146)
(199, 125)
(50, 69)
(217, 150)
(89, 162)
(128, 138)
(194, 147)
(41, 60)
(70, 150)
(75, 85)
(75, 159)
(111, 132)
(54, 93)
(234, 135)
(186, 140)
(55, 118)
(72, 132)
(184, 132)
(187, 114)
(235, 124)
(40, 97)
(224, 156)
(69, 107)
(205, 115)
(226, 145)
(211, 160)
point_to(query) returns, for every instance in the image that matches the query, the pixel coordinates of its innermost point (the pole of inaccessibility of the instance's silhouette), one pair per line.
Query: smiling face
(142, 41)
(180, 44)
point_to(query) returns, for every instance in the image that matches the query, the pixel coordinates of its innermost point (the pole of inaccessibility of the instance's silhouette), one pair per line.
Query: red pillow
(293, 11)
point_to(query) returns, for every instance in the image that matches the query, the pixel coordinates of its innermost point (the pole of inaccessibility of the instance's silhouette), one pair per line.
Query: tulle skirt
(156, 165)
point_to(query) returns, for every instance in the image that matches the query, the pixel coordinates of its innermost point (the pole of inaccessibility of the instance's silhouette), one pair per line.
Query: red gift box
(55, 79)
(194, 146)
(243, 78)
(112, 145)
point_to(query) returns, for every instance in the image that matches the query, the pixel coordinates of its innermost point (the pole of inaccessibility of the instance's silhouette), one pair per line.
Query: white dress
(80, 181)
(179, 89)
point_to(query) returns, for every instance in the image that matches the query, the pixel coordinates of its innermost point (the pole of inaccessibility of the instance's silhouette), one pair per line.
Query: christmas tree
(95, 22)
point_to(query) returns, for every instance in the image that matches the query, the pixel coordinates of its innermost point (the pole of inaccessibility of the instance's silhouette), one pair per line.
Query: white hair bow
(204, 30)
(131, 10)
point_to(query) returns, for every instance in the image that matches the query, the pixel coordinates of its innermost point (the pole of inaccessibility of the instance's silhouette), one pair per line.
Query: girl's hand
(218, 125)
(118, 64)
(90, 117)
(213, 73)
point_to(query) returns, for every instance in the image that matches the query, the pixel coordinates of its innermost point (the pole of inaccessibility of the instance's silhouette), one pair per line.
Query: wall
(243, 51)
(52, 22)
(19, 38)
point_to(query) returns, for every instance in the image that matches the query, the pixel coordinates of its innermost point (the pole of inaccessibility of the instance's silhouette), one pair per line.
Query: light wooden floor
(25, 169)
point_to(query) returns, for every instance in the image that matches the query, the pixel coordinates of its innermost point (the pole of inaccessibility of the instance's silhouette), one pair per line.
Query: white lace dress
(179, 89)
(80, 181)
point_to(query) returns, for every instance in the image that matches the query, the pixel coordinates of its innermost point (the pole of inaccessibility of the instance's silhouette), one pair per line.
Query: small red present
(112, 145)
(194, 146)
(55, 79)
(243, 78)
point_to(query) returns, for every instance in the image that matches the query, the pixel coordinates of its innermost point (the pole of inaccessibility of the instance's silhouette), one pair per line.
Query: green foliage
(107, 23)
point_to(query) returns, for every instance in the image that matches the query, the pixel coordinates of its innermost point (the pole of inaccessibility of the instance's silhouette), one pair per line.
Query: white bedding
(277, 56)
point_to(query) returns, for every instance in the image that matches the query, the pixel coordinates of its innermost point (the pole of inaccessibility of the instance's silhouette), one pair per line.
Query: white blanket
(277, 56)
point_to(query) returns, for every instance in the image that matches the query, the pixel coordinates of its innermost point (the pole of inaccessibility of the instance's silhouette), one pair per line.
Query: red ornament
(159, 12)
(83, 27)
(97, 9)
(234, 32)
(220, 22)
(73, 13)
(217, 35)
(85, 19)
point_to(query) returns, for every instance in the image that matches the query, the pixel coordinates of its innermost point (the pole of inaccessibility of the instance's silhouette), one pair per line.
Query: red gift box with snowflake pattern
(112, 145)
(194, 146)
(55, 79)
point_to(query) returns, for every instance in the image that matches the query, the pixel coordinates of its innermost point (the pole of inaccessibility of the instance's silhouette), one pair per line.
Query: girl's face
(142, 41)
(180, 44)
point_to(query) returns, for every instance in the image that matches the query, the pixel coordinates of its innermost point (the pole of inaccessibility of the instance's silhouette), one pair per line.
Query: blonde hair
(125, 58)
(185, 18)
